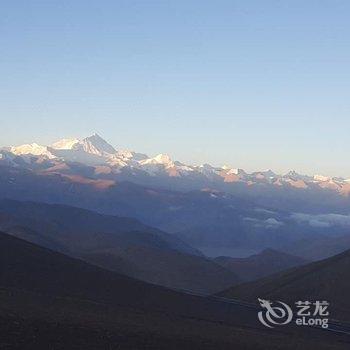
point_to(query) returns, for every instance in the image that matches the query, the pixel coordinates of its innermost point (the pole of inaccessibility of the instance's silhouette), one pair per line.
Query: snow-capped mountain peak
(233, 171)
(268, 173)
(321, 178)
(160, 159)
(65, 144)
(32, 149)
(163, 159)
(94, 151)
(95, 144)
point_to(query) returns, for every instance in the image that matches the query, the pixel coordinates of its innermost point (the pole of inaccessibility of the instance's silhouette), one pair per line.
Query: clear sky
(252, 84)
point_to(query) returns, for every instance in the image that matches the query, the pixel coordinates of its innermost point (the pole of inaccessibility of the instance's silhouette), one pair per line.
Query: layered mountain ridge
(117, 243)
(109, 162)
(218, 211)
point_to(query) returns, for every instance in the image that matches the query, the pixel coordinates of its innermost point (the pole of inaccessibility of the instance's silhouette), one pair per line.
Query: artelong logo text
(306, 313)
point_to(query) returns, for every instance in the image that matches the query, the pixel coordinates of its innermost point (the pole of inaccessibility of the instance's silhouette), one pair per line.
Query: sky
(251, 84)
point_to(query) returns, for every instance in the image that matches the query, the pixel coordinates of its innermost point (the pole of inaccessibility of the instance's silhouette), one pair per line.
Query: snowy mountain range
(94, 158)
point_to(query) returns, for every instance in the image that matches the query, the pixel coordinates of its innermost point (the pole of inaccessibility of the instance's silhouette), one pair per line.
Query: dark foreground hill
(327, 279)
(267, 262)
(51, 301)
(120, 244)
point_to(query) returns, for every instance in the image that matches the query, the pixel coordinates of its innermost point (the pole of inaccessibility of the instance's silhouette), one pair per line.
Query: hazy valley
(164, 245)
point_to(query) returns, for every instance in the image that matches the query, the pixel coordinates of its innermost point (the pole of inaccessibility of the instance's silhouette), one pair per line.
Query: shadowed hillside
(48, 300)
(120, 244)
(323, 280)
(267, 262)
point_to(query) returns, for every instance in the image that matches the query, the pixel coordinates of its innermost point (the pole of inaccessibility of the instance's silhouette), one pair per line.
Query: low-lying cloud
(266, 223)
(322, 220)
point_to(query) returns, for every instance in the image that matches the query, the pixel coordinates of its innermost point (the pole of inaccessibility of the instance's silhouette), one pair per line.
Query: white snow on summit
(32, 149)
(95, 144)
(95, 151)
(65, 144)
(321, 178)
(162, 159)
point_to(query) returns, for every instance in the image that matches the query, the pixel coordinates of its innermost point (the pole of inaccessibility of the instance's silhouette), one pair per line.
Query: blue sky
(252, 84)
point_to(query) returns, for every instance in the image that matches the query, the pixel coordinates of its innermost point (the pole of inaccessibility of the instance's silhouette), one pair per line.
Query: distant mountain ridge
(212, 221)
(219, 211)
(113, 164)
(322, 280)
(120, 244)
(256, 266)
